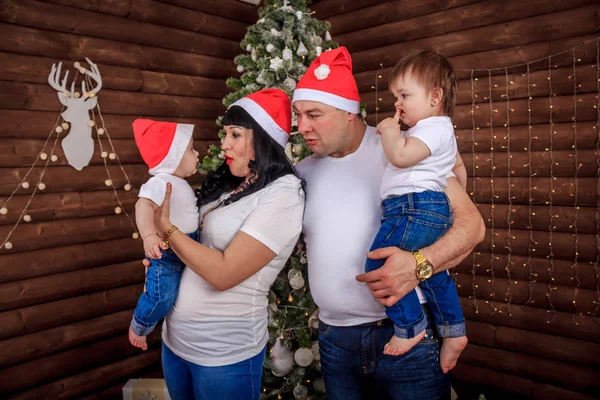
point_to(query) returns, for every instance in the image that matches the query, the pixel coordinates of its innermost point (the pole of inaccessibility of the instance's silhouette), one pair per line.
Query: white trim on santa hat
(339, 102)
(183, 135)
(264, 120)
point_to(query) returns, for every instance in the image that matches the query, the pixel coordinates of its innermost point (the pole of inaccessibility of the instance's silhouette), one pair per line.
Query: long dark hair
(270, 163)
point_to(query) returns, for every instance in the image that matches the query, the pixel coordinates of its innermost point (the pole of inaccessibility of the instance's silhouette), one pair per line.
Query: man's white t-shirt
(212, 328)
(430, 174)
(184, 211)
(342, 217)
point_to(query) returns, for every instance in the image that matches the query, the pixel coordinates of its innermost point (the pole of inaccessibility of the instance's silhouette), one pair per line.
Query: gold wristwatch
(424, 266)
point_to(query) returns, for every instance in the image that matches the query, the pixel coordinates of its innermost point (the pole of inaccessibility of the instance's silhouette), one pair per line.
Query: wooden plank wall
(544, 342)
(73, 276)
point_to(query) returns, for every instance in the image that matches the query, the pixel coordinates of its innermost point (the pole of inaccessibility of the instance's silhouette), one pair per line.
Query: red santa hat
(329, 80)
(162, 144)
(272, 110)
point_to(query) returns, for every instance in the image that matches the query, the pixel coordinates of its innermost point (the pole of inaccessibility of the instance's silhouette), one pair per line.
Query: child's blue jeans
(162, 283)
(411, 222)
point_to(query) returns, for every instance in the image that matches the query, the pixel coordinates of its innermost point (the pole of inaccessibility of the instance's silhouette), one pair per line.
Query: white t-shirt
(341, 219)
(184, 211)
(430, 174)
(212, 328)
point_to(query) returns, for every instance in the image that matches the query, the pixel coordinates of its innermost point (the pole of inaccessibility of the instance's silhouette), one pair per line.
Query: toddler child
(416, 211)
(167, 149)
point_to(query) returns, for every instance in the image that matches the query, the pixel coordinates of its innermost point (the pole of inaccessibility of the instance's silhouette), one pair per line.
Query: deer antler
(95, 75)
(55, 76)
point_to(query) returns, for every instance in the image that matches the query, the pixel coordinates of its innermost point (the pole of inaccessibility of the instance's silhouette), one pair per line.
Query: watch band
(167, 235)
(419, 257)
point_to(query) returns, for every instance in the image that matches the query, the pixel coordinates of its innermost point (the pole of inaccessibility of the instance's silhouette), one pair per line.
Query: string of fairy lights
(57, 130)
(533, 260)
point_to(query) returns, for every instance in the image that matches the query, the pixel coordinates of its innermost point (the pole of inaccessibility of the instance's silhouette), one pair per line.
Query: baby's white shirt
(430, 174)
(184, 211)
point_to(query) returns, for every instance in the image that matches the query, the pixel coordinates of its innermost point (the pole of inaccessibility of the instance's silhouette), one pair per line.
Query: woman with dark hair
(214, 339)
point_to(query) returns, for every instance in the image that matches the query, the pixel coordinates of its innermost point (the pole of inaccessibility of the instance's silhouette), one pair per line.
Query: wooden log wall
(530, 290)
(72, 278)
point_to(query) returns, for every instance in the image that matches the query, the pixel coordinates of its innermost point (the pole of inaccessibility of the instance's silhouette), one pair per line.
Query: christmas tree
(278, 50)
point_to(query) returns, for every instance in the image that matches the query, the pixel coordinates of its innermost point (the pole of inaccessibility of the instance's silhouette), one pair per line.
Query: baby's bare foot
(451, 349)
(397, 346)
(137, 341)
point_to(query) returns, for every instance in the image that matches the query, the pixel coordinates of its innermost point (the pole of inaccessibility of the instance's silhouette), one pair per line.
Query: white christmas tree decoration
(327, 36)
(270, 48)
(319, 50)
(299, 15)
(282, 359)
(78, 145)
(240, 68)
(303, 357)
(287, 54)
(302, 51)
(276, 63)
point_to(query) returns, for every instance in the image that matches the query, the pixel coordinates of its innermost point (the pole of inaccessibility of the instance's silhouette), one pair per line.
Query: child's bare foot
(397, 346)
(137, 341)
(451, 349)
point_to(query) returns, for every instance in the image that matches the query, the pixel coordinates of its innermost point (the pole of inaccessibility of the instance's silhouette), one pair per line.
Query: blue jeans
(186, 380)
(162, 283)
(355, 368)
(411, 222)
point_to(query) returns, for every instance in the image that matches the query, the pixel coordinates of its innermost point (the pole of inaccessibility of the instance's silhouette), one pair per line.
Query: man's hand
(152, 246)
(395, 278)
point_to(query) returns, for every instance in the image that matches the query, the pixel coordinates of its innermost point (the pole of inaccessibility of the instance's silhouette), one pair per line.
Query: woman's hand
(162, 214)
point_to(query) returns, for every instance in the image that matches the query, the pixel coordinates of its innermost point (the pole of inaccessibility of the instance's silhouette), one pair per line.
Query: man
(341, 219)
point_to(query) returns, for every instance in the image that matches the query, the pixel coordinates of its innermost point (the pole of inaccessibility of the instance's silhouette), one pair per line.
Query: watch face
(425, 270)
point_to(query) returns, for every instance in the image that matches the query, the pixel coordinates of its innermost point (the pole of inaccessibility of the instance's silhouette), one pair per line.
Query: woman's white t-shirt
(212, 328)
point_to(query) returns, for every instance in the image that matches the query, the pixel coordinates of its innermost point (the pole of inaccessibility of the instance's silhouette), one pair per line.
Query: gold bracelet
(167, 235)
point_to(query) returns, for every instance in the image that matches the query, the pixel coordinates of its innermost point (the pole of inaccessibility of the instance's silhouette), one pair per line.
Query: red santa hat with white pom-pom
(272, 110)
(329, 80)
(162, 144)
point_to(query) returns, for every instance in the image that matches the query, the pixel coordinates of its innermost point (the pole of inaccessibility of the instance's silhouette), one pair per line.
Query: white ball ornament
(240, 68)
(8, 245)
(249, 47)
(101, 131)
(300, 392)
(25, 185)
(65, 126)
(3, 210)
(270, 48)
(127, 187)
(289, 84)
(262, 20)
(43, 156)
(54, 158)
(108, 182)
(112, 156)
(27, 218)
(297, 282)
(118, 210)
(104, 154)
(299, 15)
(41, 186)
(135, 235)
(58, 129)
(303, 357)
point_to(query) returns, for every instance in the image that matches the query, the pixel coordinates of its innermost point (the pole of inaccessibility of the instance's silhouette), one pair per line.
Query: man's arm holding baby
(397, 276)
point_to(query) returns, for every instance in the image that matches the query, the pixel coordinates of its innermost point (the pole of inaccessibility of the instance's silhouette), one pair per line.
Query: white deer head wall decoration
(78, 144)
